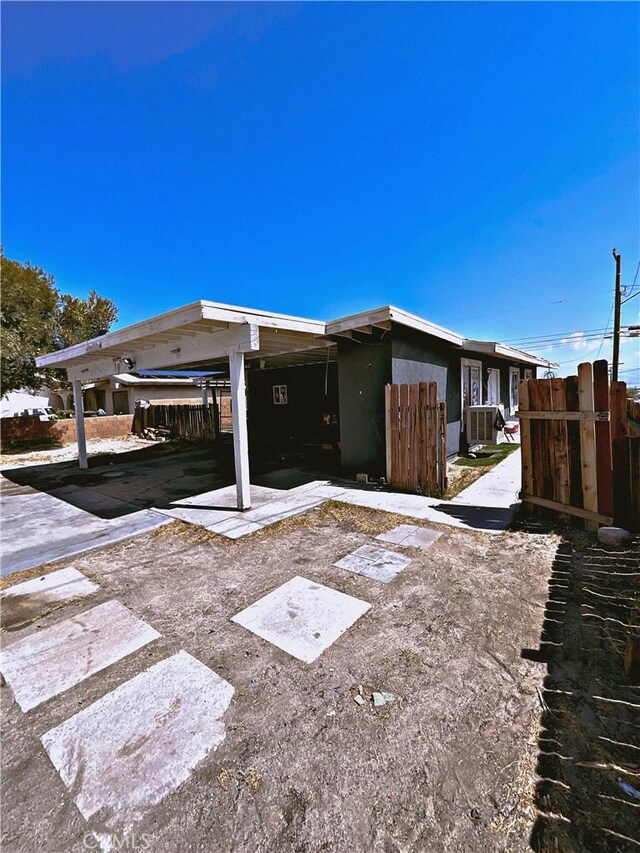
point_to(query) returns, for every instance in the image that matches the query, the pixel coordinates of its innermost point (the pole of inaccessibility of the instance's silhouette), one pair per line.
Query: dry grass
(460, 478)
(518, 811)
(191, 533)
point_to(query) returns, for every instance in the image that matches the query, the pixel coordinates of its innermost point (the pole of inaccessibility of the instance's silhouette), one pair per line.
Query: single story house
(119, 394)
(308, 386)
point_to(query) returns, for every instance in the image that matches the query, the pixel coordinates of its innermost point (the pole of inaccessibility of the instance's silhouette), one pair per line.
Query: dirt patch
(588, 742)
(446, 766)
(95, 447)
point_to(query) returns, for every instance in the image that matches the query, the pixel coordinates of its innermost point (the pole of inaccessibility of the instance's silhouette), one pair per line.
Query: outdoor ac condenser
(481, 424)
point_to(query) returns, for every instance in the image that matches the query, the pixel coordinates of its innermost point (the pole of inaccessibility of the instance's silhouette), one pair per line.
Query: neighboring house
(313, 391)
(17, 402)
(118, 394)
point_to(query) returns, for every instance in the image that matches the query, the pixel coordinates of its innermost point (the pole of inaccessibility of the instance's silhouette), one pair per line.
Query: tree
(36, 318)
(81, 319)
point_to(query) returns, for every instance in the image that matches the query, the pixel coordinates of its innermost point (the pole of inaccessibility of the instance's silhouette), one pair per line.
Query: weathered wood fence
(197, 422)
(416, 436)
(578, 455)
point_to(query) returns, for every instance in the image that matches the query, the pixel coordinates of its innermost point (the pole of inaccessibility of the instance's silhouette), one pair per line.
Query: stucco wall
(31, 430)
(417, 357)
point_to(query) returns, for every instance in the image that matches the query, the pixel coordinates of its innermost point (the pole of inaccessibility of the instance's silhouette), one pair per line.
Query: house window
(471, 382)
(514, 380)
(528, 373)
(280, 395)
(493, 386)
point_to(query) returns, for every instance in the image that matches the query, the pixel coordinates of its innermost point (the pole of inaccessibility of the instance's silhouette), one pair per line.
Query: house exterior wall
(417, 357)
(363, 371)
(280, 430)
(15, 402)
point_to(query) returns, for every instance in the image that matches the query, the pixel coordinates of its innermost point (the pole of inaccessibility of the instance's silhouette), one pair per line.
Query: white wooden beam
(202, 348)
(240, 432)
(78, 402)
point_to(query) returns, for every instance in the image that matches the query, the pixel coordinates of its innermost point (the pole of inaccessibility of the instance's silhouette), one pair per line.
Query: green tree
(81, 319)
(36, 318)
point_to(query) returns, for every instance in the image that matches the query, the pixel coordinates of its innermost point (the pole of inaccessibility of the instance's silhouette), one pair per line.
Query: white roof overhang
(383, 317)
(502, 351)
(194, 337)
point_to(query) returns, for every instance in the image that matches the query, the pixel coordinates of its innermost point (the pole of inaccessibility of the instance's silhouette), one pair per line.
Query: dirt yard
(448, 766)
(38, 455)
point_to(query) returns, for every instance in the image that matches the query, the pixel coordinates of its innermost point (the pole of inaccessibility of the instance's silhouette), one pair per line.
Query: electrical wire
(553, 335)
(606, 329)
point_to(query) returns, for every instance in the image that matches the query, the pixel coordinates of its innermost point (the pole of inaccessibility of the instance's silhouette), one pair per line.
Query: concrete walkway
(488, 504)
(498, 487)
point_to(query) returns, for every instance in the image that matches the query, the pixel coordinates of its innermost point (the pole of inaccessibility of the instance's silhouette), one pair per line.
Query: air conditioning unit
(481, 424)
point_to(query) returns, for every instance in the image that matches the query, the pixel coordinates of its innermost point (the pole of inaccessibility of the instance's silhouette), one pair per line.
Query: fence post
(620, 455)
(525, 442)
(387, 430)
(588, 444)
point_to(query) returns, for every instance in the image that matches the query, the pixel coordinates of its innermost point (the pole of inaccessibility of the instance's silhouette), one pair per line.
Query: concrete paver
(127, 751)
(409, 535)
(48, 662)
(26, 601)
(301, 617)
(378, 564)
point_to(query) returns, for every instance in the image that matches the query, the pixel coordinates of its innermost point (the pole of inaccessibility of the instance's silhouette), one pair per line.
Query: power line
(606, 329)
(555, 335)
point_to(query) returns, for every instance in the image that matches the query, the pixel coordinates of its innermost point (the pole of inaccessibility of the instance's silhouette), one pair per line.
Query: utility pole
(616, 317)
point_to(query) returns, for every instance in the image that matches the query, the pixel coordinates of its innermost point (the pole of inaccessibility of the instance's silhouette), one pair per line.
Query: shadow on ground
(158, 476)
(590, 737)
(480, 517)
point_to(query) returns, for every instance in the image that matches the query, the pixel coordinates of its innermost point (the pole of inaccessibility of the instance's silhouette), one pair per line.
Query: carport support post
(78, 403)
(240, 434)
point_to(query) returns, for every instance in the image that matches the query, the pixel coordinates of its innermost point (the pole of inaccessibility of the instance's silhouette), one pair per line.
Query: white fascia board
(389, 313)
(397, 315)
(503, 351)
(265, 319)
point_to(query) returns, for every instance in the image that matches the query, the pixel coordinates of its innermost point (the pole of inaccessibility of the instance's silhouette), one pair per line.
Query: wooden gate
(578, 457)
(416, 435)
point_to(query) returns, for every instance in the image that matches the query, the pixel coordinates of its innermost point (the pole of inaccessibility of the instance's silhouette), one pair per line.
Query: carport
(201, 336)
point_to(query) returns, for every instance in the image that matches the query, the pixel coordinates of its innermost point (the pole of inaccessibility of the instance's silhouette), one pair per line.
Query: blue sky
(473, 163)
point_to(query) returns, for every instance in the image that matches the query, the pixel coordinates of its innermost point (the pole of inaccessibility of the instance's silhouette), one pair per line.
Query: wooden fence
(416, 430)
(578, 455)
(197, 422)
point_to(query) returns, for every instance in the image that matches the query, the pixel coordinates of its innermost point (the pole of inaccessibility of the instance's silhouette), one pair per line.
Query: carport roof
(186, 338)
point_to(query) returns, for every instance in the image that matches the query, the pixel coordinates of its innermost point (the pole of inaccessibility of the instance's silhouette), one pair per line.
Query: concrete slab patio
(51, 512)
